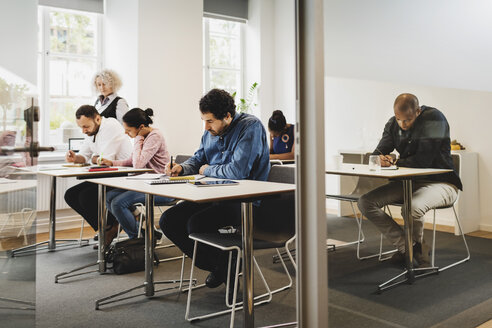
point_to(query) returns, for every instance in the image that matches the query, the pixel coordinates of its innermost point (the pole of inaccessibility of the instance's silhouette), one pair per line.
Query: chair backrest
(282, 174)
(276, 215)
(276, 162)
(181, 158)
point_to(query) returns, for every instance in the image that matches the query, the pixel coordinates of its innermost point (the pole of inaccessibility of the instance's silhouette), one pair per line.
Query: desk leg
(409, 274)
(51, 242)
(247, 227)
(408, 228)
(102, 218)
(149, 283)
(101, 226)
(149, 245)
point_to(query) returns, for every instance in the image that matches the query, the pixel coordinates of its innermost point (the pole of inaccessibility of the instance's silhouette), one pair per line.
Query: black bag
(128, 256)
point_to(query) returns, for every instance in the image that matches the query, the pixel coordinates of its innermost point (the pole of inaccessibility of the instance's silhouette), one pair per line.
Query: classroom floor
(89, 233)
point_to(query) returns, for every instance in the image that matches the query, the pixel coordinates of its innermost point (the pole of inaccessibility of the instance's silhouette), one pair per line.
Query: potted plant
(245, 105)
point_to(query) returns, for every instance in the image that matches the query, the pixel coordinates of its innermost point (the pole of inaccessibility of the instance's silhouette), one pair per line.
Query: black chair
(274, 227)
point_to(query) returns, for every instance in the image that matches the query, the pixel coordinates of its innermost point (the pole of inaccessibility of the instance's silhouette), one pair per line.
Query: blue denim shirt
(242, 152)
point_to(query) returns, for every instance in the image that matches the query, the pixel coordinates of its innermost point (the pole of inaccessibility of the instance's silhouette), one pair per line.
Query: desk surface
(245, 189)
(58, 170)
(402, 172)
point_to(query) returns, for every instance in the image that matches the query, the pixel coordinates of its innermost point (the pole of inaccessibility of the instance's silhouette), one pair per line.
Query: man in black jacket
(420, 134)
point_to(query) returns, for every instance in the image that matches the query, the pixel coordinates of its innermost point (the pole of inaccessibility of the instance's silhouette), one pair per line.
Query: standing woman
(149, 151)
(109, 104)
(281, 137)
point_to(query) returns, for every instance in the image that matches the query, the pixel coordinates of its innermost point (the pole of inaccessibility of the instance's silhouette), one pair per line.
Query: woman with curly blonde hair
(109, 104)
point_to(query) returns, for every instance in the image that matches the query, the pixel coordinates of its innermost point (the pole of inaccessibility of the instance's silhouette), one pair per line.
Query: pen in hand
(386, 159)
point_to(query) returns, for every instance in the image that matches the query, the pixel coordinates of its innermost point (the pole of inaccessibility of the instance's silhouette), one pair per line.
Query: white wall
(285, 60)
(170, 69)
(156, 45)
(18, 39)
(121, 45)
(439, 43)
(270, 56)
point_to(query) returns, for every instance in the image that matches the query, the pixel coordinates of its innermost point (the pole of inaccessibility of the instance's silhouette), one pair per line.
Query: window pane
(72, 33)
(71, 77)
(224, 51)
(223, 26)
(225, 79)
(62, 119)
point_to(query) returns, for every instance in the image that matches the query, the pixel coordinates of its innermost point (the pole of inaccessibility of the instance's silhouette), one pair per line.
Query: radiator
(44, 192)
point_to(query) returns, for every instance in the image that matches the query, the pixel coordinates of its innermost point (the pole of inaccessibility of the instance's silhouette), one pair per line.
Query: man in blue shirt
(233, 146)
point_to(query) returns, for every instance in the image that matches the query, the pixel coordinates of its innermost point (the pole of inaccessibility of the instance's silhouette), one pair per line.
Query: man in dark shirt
(420, 134)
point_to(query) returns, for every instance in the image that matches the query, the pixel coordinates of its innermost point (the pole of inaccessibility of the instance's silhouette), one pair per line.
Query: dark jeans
(185, 218)
(83, 198)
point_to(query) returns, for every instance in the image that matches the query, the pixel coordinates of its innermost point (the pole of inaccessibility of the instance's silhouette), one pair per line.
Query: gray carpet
(459, 297)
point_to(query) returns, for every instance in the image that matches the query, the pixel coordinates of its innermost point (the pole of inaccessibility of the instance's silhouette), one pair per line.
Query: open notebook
(164, 179)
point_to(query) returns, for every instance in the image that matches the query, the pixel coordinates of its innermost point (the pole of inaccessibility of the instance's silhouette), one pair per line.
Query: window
(222, 59)
(69, 56)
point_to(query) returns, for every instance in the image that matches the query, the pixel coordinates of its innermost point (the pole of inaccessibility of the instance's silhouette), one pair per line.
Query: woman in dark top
(109, 104)
(281, 137)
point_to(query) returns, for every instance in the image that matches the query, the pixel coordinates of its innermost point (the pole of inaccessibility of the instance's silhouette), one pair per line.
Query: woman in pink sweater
(149, 151)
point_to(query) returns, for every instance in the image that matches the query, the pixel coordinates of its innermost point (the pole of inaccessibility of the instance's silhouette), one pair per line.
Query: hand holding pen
(386, 160)
(172, 169)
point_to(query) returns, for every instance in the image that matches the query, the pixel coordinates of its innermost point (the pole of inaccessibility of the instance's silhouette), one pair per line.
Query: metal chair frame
(233, 307)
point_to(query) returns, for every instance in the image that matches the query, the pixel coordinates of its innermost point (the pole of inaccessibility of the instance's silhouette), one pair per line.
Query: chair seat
(227, 241)
(435, 208)
(349, 197)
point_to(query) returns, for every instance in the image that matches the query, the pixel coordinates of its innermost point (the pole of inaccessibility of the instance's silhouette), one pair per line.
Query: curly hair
(109, 77)
(219, 103)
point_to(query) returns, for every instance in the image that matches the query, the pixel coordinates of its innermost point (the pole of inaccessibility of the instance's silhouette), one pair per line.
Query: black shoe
(96, 237)
(213, 280)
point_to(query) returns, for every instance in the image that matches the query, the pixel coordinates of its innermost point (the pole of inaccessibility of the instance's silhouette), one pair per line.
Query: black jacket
(425, 145)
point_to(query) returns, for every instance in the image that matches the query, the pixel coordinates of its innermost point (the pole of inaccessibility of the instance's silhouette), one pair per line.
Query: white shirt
(121, 106)
(110, 141)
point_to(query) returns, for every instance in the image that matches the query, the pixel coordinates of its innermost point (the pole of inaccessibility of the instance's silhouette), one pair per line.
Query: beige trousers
(426, 195)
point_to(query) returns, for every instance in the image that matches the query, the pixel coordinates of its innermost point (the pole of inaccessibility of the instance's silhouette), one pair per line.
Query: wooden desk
(246, 191)
(58, 171)
(406, 175)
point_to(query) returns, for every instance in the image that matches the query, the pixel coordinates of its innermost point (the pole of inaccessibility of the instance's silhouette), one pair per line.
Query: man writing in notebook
(104, 137)
(420, 134)
(233, 146)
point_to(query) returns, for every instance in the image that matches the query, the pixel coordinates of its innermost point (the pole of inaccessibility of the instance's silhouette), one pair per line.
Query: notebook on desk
(178, 179)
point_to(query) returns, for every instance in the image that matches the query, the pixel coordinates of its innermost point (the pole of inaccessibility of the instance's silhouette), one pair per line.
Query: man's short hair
(406, 102)
(87, 111)
(219, 103)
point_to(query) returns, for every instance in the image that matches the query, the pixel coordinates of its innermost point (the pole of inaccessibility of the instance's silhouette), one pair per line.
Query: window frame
(44, 56)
